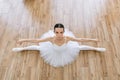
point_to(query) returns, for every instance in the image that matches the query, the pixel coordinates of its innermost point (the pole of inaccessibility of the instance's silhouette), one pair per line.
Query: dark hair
(59, 25)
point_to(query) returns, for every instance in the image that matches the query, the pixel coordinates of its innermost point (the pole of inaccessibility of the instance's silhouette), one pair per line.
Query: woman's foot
(101, 49)
(17, 49)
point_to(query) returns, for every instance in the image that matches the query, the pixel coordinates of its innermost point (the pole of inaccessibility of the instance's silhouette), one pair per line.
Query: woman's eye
(61, 32)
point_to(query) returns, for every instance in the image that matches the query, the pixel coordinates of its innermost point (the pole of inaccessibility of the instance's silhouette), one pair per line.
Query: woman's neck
(59, 39)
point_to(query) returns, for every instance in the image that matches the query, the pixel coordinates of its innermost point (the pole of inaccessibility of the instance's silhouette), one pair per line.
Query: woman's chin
(59, 37)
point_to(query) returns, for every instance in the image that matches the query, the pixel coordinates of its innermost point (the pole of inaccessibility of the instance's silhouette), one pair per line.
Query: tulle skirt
(59, 55)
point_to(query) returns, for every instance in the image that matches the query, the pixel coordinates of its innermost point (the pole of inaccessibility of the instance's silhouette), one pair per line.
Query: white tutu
(59, 55)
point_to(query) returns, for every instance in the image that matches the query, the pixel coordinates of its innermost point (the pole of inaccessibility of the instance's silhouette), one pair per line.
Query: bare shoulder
(69, 38)
(50, 37)
(46, 39)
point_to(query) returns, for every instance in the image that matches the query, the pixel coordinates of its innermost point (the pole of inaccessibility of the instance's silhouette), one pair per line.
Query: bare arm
(82, 39)
(34, 40)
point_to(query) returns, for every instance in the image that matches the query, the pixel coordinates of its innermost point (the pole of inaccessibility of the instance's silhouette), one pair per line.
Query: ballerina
(59, 47)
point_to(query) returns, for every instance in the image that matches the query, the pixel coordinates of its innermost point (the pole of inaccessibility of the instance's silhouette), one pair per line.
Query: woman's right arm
(34, 40)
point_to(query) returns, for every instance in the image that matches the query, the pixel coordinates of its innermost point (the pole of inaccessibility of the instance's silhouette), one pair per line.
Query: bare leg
(33, 47)
(84, 47)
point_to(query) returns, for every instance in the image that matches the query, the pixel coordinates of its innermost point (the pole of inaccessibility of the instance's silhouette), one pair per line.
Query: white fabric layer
(59, 55)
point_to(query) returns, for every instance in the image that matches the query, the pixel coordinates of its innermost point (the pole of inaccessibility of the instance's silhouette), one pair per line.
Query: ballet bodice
(60, 48)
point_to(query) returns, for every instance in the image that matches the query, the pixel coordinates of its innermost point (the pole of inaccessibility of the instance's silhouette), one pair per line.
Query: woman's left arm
(82, 39)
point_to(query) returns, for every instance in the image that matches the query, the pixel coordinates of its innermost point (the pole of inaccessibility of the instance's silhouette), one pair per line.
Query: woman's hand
(21, 41)
(96, 40)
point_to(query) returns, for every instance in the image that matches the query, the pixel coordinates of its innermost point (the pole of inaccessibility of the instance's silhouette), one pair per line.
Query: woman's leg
(33, 47)
(85, 47)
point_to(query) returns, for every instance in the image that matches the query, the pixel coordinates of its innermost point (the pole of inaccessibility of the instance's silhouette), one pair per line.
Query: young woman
(58, 47)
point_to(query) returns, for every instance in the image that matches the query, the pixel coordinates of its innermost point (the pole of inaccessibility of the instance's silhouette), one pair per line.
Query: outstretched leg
(33, 47)
(84, 47)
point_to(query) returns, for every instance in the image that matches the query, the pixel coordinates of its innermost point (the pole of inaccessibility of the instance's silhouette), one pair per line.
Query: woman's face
(59, 32)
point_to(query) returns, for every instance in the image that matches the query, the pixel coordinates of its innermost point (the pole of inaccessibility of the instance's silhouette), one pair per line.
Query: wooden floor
(85, 18)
